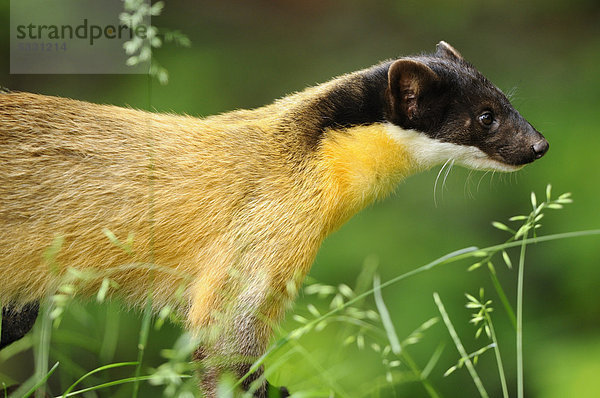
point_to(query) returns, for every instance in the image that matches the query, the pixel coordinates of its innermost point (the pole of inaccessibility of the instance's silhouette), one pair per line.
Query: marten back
(184, 186)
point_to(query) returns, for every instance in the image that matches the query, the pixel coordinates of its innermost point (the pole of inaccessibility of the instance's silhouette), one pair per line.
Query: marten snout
(524, 148)
(535, 144)
(540, 148)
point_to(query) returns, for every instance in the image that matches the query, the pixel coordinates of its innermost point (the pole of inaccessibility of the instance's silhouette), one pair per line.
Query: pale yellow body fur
(203, 197)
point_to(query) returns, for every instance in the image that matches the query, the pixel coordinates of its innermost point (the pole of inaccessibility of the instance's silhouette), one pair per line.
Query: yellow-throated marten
(232, 207)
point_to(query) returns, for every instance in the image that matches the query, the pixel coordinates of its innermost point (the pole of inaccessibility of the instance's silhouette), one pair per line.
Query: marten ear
(407, 80)
(445, 50)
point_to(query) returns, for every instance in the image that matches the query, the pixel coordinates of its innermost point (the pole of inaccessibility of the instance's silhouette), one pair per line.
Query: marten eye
(486, 118)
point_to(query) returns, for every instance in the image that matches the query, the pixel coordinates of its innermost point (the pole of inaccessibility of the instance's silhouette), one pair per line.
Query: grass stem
(461, 349)
(498, 356)
(503, 299)
(520, 389)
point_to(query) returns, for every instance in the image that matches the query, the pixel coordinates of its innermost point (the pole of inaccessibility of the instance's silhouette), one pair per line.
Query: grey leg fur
(233, 352)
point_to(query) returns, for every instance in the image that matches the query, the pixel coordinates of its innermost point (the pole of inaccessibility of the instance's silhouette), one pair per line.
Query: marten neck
(362, 164)
(356, 99)
(361, 155)
(353, 100)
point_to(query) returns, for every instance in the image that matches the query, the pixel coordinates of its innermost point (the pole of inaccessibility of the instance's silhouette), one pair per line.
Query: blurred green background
(246, 53)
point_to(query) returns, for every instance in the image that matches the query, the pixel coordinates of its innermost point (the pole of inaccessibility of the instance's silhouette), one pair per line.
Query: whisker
(446, 176)
(467, 187)
(436, 181)
(512, 93)
(481, 179)
(472, 176)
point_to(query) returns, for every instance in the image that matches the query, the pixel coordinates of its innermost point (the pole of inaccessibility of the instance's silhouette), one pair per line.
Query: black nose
(540, 148)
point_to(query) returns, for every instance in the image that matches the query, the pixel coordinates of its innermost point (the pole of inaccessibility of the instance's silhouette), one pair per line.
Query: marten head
(445, 98)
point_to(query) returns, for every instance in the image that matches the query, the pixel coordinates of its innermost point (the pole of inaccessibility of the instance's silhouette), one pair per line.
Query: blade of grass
(42, 348)
(68, 366)
(100, 369)
(503, 299)
(143, 340)
(392, 336)
(110, 336)
(115, 383)
(18, 346)
(460, 347)
(498, 357)
(41, 382)
(421, 375)
(386, 320)
(433, 360)
(520, 389)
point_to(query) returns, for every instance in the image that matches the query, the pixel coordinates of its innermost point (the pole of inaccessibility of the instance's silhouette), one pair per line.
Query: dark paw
(16, 322)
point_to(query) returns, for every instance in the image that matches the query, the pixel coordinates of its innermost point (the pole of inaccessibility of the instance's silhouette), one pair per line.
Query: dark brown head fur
(440, 95)
(445, 97)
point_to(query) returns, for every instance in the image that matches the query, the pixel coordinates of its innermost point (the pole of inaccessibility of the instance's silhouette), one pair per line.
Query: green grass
(359, 316)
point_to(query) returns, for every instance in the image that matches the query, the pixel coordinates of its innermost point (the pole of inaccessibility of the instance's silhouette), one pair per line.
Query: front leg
(235, 334)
